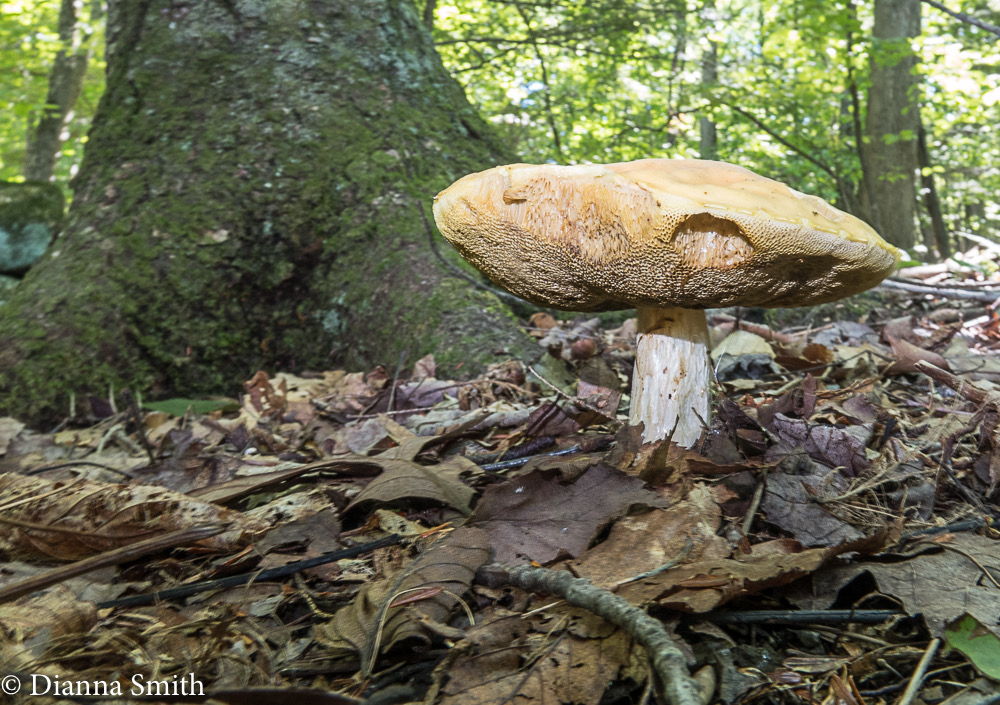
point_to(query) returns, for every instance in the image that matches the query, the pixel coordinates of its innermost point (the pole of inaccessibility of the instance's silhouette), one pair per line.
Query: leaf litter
(831, 530)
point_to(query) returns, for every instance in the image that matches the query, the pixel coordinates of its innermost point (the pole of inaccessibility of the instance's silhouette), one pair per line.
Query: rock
(30, 214)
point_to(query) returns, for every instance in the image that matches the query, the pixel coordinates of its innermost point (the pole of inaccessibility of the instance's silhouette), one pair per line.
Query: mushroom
(669, 238)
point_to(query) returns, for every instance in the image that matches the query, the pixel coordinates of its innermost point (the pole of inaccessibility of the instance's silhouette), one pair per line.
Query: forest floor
(348, 537)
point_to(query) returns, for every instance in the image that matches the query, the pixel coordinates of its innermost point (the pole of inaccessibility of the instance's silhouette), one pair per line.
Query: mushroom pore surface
(657, 233)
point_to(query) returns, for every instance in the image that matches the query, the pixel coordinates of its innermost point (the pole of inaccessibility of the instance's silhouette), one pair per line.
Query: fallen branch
(727, 322)
(124, 554)
(917, 679)
(150, 598)
(942, 292)
(666, 659)
(802, 616)
(964, 389)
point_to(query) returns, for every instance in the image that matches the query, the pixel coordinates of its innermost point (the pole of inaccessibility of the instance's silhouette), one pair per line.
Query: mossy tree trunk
(250, 198)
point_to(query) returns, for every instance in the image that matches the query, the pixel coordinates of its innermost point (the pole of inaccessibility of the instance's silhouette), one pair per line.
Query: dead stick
(666, 659)
(115, 557)
(149, 598)
(917, 680)
(727, 321)
(956, 384)
(984, 296)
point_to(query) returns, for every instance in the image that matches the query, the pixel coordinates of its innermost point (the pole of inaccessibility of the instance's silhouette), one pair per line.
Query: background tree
(51, 78)
(791, 99)
(65, 84)
(251, 196)
(242, 208)
(893, 121)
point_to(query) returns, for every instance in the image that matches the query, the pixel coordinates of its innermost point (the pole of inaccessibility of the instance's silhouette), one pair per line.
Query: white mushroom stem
(670, 387)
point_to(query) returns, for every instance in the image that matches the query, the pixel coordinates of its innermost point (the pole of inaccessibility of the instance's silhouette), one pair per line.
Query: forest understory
(360, 537)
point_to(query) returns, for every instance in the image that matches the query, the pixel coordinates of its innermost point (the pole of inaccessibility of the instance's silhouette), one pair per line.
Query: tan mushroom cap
(657, 233)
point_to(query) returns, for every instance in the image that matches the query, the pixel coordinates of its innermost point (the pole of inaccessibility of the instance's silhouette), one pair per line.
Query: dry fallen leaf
(535, 517)
(69, 521)
(372, 623)
(638, 544)
(942, 585)
(403, 479)
(704, 585)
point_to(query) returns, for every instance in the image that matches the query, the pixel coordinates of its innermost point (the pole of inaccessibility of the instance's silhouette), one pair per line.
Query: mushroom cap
(657, 233)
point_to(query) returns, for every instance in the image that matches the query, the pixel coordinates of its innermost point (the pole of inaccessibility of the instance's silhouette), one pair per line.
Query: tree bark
(250, 198)
(892, 121)
(931, 201)
(65, 83)
(708, 143)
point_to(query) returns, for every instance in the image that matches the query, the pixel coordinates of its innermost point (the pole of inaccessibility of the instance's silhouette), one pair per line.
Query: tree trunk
(708, 143)
(890, 157)
(65, 83)
(251, 197)
(931, 201)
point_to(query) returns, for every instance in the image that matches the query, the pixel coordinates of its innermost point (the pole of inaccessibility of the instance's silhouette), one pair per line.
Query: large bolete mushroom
(669, 238)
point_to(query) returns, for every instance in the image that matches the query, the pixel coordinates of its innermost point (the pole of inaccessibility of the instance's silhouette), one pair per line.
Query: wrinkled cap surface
(657, 233)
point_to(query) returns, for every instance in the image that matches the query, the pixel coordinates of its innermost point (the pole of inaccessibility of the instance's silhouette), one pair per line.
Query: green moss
(240, 209)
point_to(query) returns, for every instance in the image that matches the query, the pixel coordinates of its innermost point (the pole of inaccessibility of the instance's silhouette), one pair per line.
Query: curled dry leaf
(909, 355)
(374, 621)
(403, 479)
(704, 585)
(69, 521)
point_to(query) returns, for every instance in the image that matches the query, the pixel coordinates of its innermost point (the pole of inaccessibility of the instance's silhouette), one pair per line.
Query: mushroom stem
(670, 386)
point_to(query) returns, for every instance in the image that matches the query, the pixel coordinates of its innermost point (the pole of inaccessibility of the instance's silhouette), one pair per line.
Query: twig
(115, 557)
(765, 332)
(964, 525)
(530, 446)
(666, 659)
(612, 421)
(956, 384)
(758, 495)
(550, 116)
(798, 150)
(590, 444)
(244, 578)
(984, 296)
(975, 561)
(672, 563)
(74, 463)
(135, 416)
(802, 616)
(917, 679)
(969, 19)
(395, 380)
(518, 462)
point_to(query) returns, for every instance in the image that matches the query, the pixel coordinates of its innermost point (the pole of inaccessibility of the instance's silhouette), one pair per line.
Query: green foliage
(615, 80)
(980, 645)
(28, 45)
(179, 407)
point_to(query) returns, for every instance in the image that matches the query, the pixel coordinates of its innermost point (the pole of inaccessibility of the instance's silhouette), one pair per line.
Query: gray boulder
(30, 214)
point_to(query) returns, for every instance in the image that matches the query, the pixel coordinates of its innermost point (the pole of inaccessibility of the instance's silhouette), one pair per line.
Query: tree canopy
(568, 82)
(614, 80)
